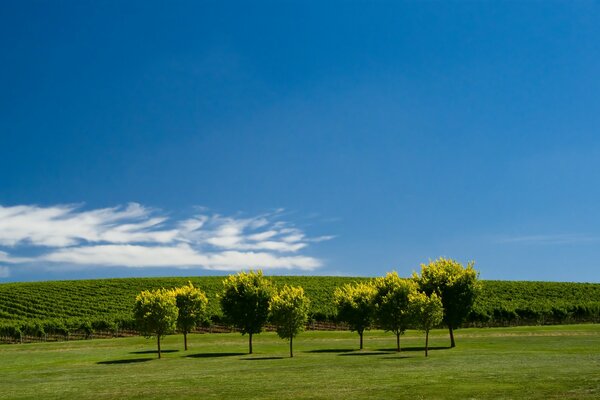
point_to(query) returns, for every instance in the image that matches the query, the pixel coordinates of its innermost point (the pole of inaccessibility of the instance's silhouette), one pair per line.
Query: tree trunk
(250, 343)
(158, 342)
(452, 344)
(291, 351)
(185, 340)
(361, 339)
(426, 341)
(397, 341)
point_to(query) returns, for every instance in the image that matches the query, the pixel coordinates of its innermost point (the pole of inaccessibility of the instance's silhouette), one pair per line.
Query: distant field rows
(500, 302)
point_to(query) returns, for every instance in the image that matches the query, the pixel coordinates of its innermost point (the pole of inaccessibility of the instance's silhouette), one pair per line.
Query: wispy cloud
(550, 239)
(136, 236)
(4, 272)
(64, 225)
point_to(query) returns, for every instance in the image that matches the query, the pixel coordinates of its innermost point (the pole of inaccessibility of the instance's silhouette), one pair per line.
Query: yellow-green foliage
(192, 305)
(427, 311)
(155, 312)
(289, 311)
(391, 302)
(354, 303)
(455, 285)
(245, 301)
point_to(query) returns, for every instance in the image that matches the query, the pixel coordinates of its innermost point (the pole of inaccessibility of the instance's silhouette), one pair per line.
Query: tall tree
(289, 313)
(156, 314)
(392, 305)
(354, 304)
(427, 312)
(245, 302)
(455, 285)
(191, 303)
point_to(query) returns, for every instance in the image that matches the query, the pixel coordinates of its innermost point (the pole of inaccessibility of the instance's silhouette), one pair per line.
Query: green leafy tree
(192, 305)
(455, 285)
(427, 312)
(289, 313)
(355, 306)
(155, 313)
(245, 302)
(392, 311)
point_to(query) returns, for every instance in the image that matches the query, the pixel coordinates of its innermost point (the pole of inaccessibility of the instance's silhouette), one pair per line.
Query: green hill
(109, 301)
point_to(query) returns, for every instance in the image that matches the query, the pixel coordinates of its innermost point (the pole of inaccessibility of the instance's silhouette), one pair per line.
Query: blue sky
(349, 138)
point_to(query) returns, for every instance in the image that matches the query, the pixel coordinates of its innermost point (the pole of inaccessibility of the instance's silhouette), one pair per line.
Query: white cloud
(63, 225)
(4, 272)
(262, 236)
(135, 236)
(180, 256)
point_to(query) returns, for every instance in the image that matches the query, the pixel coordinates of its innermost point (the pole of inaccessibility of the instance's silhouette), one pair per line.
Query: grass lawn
(550, 362)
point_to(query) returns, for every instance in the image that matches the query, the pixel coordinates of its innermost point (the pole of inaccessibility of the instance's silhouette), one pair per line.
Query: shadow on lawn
(261, 358)
(213, 355)
(363, 353)
(393, 349)
(329, 351)
(127, 361)
(152, 351)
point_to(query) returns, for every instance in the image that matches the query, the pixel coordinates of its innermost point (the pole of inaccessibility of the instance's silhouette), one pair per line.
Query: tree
(455, 285)
(191, 304)
(245, 302)
(155, 313)
(354, 304)
(427, 312)
(392, 311)
(289, 312)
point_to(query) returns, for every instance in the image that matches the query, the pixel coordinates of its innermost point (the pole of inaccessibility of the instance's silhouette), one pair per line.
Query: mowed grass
(549, 362)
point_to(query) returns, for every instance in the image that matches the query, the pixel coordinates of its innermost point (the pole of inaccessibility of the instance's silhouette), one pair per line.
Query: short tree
(155, 313)
(391, 303)
(191, 303)
(455, 285)
(354, 304)
(288, 311)
(245, 302)
(427, 312)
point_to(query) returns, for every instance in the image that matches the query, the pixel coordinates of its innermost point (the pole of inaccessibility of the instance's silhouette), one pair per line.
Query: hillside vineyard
(106, 304)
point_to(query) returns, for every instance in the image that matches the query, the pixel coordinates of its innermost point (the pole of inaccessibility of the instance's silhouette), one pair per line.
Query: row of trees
(392, 303)
(249, 301)
(159, 312)
(444, 291)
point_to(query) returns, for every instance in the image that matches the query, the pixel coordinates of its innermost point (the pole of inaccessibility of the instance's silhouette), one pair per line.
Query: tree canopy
(245, 302)
(391, 301)
(191, 303)
(289, 312)
(427, 312)
(456, 285)
(355, 306)
(156, 313)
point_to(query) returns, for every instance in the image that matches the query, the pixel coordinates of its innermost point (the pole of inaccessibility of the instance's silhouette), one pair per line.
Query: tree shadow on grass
(126, 361)
(153, 351)
(363, 353)
(329, 351)
(214, 355)
(394, 357)
(262, 358)
(422, 348)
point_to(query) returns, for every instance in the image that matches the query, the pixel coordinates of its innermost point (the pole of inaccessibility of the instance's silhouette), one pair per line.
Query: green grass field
(547, 362)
